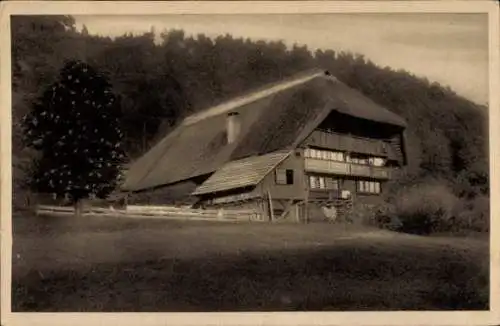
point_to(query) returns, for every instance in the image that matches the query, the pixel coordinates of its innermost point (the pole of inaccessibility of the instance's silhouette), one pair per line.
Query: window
(284, 176)
(369, 187)
(361, 159)
(319, 182)
(324, 154)
(333, 183)
(316, 182)
(313, 182)
(322, 183)
(280, 176)
(376, 161)
(289, 177)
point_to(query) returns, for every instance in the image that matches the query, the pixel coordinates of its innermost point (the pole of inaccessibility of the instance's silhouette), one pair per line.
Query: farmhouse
(306, 143)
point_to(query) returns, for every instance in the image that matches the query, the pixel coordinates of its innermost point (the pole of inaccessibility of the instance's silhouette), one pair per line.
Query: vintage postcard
(311, 163)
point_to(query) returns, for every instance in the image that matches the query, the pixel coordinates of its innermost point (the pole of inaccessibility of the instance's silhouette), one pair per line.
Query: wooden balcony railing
(324, 194)
(346, 169)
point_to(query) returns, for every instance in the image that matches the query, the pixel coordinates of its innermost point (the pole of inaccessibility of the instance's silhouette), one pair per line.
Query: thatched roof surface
(273, 118)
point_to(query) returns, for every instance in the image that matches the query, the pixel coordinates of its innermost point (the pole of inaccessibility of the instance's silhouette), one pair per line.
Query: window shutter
(311, 182)
(322, 183)
(280, 176)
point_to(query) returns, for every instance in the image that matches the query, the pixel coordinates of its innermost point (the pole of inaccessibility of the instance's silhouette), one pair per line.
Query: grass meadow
(99, 264)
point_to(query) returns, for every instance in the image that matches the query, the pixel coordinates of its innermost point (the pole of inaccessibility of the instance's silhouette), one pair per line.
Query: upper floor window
(366, 160)
(284, 176)
(344, 157)
(324, 154)
(376, 161)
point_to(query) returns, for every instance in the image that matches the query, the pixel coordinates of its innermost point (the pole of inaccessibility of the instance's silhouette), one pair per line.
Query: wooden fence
(160, 212)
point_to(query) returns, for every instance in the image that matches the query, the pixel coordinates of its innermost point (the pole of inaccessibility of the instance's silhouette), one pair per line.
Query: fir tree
(75, 128)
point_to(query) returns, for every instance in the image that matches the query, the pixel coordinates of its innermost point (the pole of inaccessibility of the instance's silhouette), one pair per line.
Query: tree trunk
(78, 208)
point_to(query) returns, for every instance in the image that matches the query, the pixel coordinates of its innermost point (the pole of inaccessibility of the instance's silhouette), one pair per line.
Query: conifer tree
(74, 126)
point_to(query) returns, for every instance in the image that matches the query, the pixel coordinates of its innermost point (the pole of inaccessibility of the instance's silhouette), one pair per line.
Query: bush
(473, 215)
(425, 208)
(380, 215)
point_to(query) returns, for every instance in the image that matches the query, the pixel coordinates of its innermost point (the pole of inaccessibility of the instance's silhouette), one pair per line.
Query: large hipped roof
(273, 118)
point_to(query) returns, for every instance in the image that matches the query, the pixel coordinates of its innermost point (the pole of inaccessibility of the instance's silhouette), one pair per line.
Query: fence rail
(160, 212)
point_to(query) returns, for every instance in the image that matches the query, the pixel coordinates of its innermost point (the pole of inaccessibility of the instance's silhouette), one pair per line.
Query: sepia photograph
(249, 162)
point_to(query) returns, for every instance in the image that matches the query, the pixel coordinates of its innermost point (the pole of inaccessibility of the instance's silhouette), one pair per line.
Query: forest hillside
(159, 83)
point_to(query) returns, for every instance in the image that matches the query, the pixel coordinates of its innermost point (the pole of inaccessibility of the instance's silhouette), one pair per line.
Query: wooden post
(306, 192)
(126, 200)
(262, 208)
(271, 209)
(306, 207)
(144, 137)
(297, 213)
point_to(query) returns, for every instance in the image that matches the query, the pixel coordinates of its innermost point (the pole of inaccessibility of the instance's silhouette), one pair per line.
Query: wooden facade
(328, 168)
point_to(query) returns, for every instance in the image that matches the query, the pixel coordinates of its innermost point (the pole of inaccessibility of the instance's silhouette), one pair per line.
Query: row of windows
(342, 157)
(285, 177)
(372, 187)
(319, 182)
(325, 155)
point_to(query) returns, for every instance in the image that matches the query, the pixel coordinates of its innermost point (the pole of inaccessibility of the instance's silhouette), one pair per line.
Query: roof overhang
(241, 173)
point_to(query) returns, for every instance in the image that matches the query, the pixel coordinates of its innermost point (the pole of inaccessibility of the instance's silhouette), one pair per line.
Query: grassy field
(111, 264)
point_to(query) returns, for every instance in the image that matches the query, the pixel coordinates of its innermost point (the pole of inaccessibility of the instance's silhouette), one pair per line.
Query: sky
(451, 49)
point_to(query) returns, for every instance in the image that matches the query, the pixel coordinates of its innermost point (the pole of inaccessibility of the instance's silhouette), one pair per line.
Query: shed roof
(241, 173)
(274, 118)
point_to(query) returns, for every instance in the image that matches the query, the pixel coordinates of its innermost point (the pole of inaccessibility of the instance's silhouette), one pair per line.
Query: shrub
(380, 215)
(473, 215)
(360, 214)
(425, 208)
(419, 208)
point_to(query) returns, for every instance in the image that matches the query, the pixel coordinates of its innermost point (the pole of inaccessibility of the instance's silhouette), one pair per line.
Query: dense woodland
(158, 83)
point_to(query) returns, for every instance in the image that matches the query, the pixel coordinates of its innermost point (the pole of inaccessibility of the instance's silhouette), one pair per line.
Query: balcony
(345, 169)
(343, 142)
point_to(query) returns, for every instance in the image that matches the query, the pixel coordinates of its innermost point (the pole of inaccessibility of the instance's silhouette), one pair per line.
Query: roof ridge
(255, 95)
